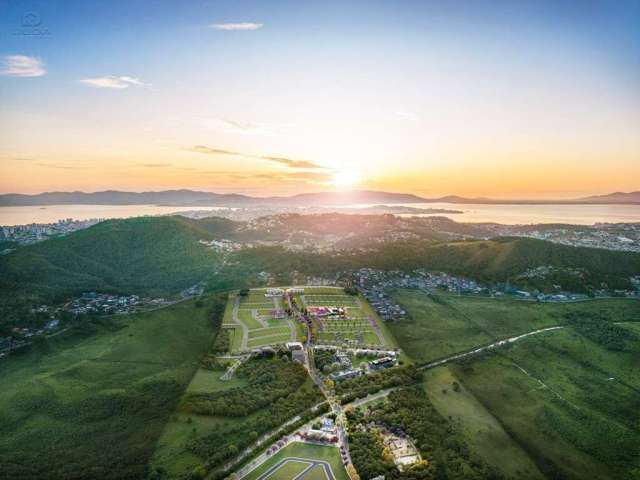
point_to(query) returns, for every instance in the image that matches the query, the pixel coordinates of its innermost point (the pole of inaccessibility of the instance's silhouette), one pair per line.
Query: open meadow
(570, 403)
(91, 403)
(560, 404)
(439, 325)
(216, 419)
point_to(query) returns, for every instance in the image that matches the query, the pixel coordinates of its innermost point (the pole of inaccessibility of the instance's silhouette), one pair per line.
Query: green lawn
(316, 473)
(269, 340)
(209, 380)
(246, 317)
(266, 332)
(94, 406)
(228, 311)
(289, 470)
(302, 450)
(236, 338)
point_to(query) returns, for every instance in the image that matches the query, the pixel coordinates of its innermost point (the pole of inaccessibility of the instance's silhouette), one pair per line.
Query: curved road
(311, 464)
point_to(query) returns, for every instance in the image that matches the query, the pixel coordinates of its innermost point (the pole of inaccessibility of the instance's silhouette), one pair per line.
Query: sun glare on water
(346, 179)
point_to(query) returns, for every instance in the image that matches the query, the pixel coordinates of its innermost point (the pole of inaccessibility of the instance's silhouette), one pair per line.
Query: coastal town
(37, 232)
(623, 237)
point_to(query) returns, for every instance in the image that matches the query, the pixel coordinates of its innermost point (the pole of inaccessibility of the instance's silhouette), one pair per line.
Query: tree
(353, 474)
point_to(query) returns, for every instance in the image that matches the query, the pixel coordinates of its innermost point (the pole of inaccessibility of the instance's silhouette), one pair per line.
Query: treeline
(409, 410)
(360, 387)
(490, 261)
(156, 256)
(277, 391)
(107, 435)
(603, 332)
(268, 381)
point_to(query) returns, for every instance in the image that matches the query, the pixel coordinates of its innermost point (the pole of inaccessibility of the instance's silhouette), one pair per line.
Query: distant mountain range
(196, 198)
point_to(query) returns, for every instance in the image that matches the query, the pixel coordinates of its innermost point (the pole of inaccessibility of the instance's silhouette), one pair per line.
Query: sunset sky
(502, 99)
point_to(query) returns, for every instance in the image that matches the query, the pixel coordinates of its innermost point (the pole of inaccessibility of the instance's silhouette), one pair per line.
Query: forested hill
(160, 256)
(152, 255)
(500, 260)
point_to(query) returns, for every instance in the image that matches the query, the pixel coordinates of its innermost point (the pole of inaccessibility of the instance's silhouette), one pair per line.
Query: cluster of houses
(36, 232)
(109, 304)
(609, 236)
(193, 291)
(224, 246)
(22, 336)
(326, 311)
(374, 285)
(324, 431)
(387, 359)
(280, 292)
(93, 302)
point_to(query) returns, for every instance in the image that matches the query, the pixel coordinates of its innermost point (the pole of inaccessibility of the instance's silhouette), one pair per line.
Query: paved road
(311, 464)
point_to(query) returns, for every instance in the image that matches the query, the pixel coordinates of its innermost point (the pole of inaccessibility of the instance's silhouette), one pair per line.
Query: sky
(503, 99)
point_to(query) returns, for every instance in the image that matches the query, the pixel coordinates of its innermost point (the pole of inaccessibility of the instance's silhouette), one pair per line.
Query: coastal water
(53, 213)
(505, 214)
(532, 214)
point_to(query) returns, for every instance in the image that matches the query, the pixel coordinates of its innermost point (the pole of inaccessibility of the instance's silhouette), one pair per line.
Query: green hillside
(561, 403)
(88, 407)
(154, 255)
(497, 260)
(148, 256)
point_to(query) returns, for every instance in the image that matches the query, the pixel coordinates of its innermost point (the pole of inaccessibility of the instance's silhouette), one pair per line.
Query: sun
(345, 179)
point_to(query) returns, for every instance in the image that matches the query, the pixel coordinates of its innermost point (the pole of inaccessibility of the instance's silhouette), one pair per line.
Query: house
(382, 363)
(274, 292)
(291, 346)
(298, 356)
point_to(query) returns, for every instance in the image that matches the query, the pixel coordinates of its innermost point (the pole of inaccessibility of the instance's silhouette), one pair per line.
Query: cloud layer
(289, 162)
(114, 82)
(243, 26)
(22, 66)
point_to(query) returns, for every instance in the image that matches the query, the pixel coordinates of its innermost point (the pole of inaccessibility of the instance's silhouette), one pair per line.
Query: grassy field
(93, 406)
(269, 340)
(441, 325)
(265, 332)
(555, 404)
(301, 450)
(192, 439)
(481, 430)
(246, 317)
(172, 455)
(571, 404)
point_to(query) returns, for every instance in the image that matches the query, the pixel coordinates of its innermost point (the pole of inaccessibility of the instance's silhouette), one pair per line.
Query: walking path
(498, 343)
(488, 347)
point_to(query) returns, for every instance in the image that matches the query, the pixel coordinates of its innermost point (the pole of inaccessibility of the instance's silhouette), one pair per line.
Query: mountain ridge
(186, 197)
